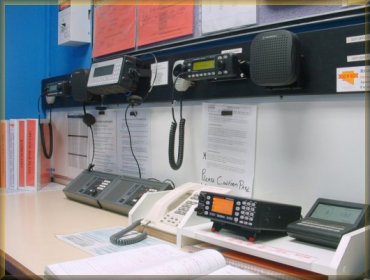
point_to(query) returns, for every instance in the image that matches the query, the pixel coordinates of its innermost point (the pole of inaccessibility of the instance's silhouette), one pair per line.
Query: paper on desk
(96, 242)
(229, 146)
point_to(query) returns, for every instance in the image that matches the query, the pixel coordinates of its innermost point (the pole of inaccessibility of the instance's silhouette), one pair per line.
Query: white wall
(307, 147)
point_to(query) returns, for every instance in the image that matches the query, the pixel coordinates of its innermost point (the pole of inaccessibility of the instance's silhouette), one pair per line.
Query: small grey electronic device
(275, 59)
(328, 220)
(88, 186)
(110, 191)
(119, 75)
(123, 196)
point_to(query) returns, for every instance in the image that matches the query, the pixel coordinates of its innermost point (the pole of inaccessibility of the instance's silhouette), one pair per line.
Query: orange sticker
(349, 76)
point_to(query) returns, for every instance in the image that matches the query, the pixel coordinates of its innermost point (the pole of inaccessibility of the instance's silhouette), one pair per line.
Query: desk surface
(32, 221)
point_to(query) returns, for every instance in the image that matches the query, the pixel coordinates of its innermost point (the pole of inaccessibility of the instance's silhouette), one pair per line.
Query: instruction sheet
(229, 133)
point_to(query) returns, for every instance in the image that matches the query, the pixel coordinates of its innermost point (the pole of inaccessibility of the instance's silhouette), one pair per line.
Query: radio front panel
(249, 214)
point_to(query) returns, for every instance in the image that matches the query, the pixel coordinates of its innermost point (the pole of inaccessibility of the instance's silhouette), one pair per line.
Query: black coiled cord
(175, 165)
(171, 145)
(47, 154)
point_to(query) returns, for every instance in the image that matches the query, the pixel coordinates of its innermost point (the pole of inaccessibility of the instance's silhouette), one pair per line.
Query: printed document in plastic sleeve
(139, 123)
(105, 138)
(229, 144)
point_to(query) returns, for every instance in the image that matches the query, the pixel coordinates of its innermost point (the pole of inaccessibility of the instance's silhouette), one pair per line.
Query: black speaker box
(79, 86)
(275, 59)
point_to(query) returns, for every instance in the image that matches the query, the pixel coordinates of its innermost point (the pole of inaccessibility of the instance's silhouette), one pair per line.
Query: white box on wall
(74, 24)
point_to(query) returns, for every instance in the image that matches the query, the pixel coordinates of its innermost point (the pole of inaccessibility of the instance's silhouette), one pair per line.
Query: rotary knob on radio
(220, 63)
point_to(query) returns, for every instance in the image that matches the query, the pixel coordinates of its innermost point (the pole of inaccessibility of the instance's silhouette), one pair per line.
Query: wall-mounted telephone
(110, 191)
(169, 211)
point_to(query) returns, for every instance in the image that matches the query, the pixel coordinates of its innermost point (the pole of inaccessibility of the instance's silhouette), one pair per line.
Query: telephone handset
(169, 211)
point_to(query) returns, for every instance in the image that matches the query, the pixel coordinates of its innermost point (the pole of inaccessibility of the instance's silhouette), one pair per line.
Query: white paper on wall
(105, 138)
(77, 142)
(229, 140)
(138, 120)
(227, 16)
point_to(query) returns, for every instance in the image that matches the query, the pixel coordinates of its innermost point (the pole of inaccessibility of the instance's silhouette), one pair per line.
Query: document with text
(105, 138)
(229, 143)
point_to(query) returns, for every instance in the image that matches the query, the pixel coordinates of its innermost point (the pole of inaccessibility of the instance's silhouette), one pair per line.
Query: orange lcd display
(222, 205)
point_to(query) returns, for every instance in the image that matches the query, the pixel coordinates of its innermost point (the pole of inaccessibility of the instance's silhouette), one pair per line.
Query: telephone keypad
(175, 217)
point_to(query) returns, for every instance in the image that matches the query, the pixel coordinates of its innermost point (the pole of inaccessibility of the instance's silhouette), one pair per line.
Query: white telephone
(168, 212)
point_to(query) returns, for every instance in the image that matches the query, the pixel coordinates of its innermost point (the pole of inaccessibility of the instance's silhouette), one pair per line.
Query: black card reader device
(328, 220)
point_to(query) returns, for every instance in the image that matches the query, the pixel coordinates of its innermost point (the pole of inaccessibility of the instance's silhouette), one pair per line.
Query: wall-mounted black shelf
(324, 49)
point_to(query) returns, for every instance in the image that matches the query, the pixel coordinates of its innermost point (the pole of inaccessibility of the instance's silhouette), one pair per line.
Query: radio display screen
(222, 206)
(338, 214)
(52, 87)
(203, 65)
(104, 70)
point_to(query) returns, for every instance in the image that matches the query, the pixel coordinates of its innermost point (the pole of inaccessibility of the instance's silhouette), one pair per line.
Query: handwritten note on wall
(229, 146)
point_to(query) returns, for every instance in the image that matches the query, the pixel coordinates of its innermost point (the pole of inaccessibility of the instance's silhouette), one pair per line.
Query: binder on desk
(21, 155)
(150, 260)
(37, 166)
(3, 143)
(22, 163)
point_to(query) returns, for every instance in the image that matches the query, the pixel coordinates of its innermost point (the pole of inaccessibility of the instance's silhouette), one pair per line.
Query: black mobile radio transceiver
(244, 215)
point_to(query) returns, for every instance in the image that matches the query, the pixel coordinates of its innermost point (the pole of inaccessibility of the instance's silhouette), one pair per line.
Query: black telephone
(110, 191)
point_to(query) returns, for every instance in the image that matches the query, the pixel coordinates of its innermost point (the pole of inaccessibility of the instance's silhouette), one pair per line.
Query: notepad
(152, 260)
